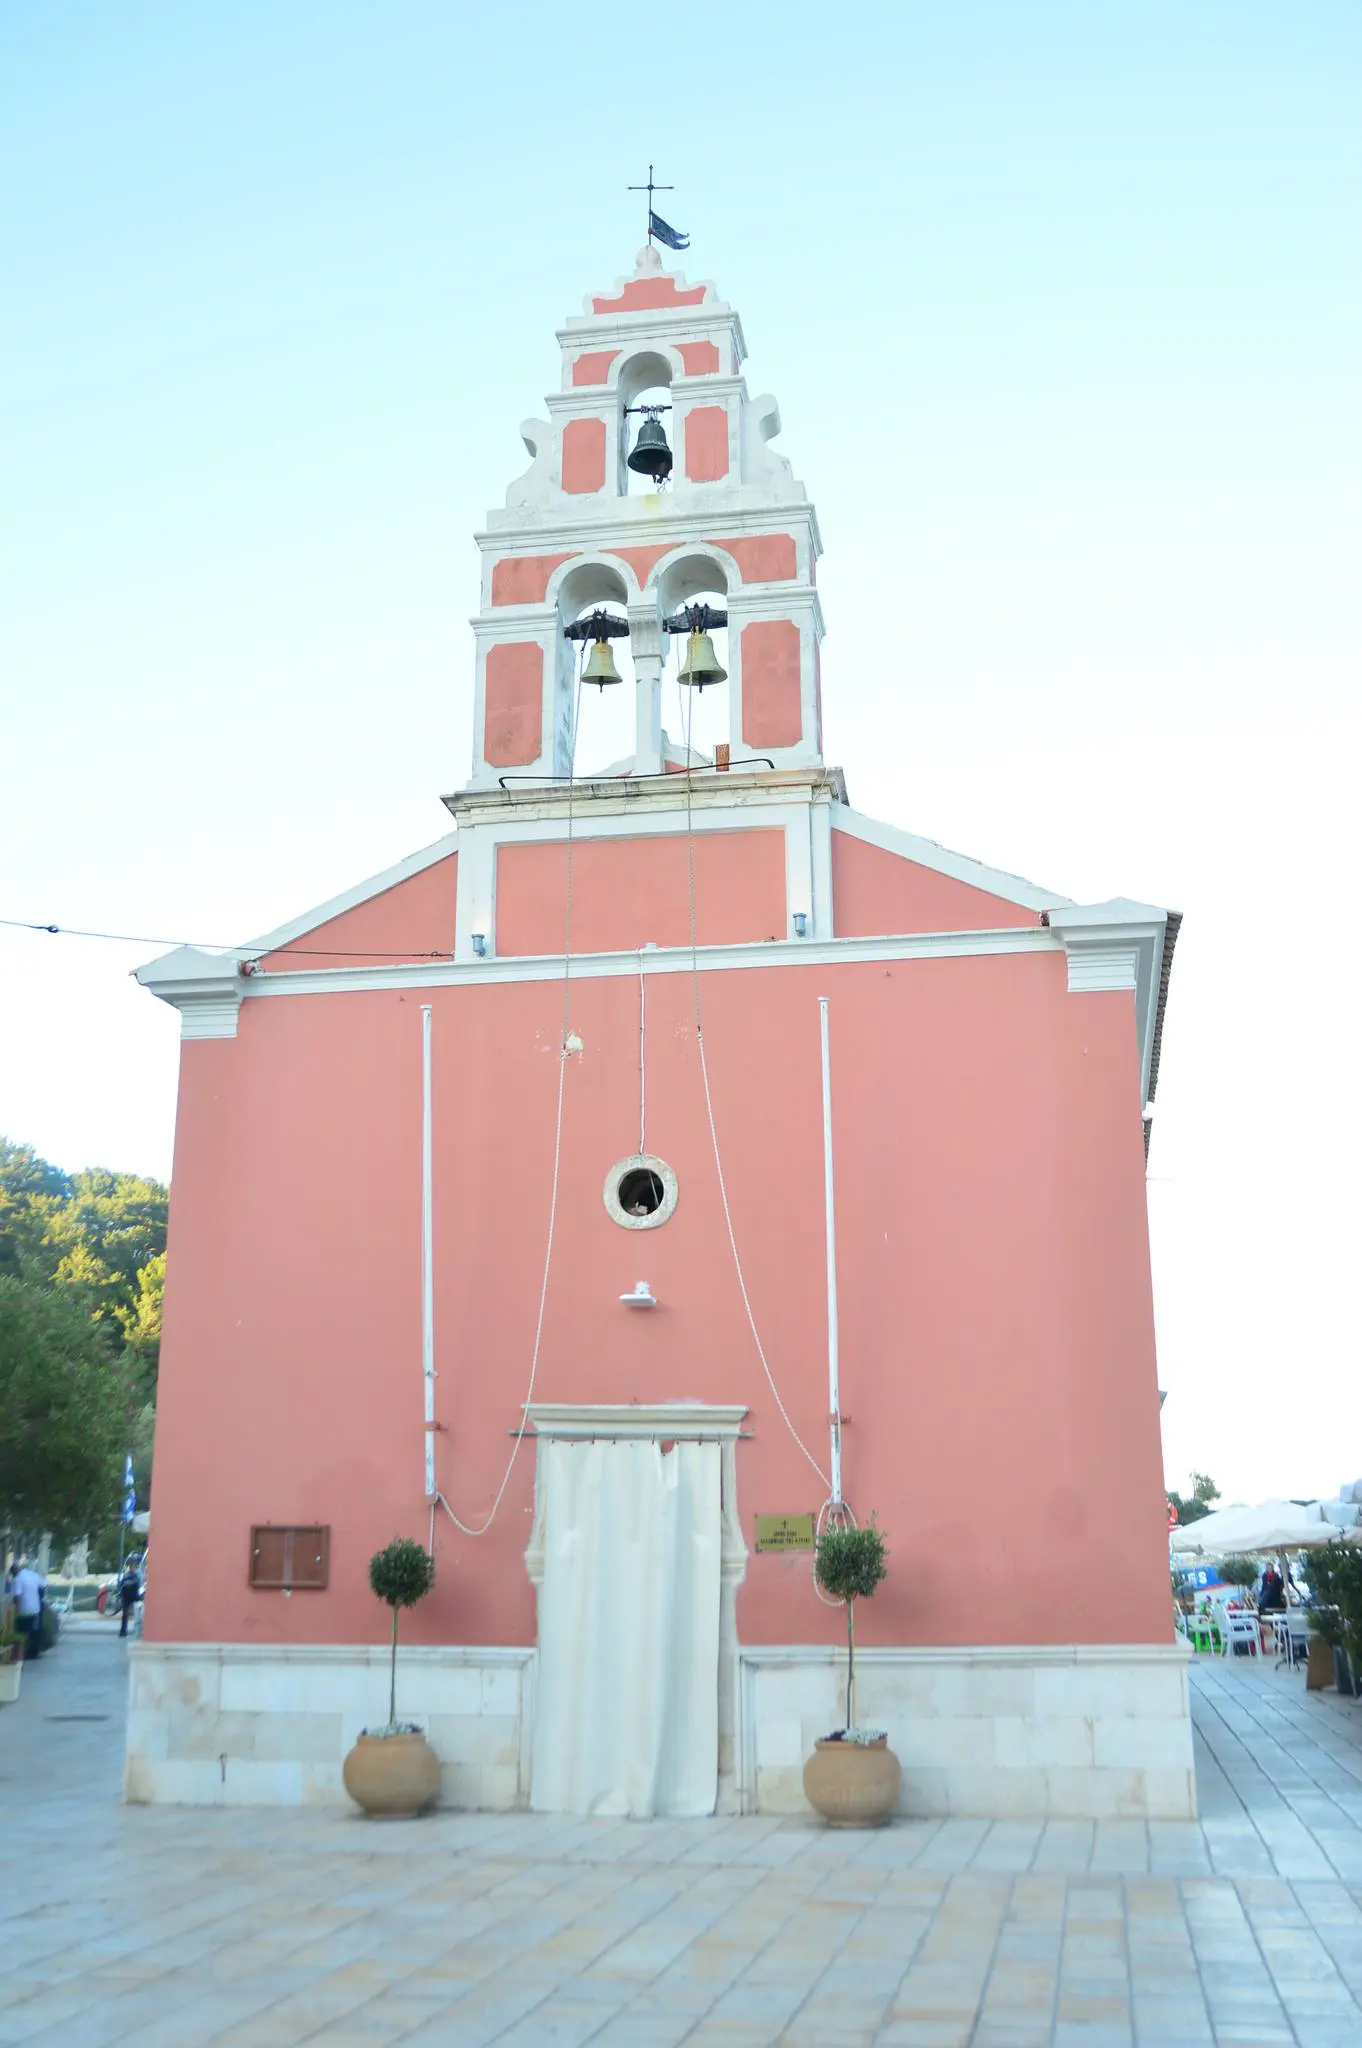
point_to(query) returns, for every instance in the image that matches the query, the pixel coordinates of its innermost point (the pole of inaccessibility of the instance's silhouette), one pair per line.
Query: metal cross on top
(657, 227)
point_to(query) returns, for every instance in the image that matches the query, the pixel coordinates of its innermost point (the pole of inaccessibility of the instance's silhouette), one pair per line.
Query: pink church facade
(407, 1295)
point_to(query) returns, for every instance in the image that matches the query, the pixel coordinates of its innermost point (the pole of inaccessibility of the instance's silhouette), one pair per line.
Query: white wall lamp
(480, 944)
(801, 923)
(642, 1296)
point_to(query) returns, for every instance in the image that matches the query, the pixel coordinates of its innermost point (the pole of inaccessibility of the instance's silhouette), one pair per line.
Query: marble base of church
(1001, 1733)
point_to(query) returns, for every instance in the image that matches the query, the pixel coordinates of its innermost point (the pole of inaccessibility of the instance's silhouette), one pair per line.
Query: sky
(1063, 308)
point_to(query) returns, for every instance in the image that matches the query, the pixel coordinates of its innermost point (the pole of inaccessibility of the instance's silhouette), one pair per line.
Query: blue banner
(671, 236)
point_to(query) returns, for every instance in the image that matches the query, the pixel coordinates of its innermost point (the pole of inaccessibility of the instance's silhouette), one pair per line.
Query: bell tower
(651, 390)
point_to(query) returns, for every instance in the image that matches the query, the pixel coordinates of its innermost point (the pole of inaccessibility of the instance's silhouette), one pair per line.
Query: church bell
(600, 666)
(701, 664)
(651, 456)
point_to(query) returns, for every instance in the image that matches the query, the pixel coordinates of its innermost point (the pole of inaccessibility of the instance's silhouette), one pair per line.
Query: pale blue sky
(1062, 305)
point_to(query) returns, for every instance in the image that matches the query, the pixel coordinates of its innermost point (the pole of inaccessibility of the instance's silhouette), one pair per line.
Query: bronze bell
(651, 456)
(600, 666)
(701, 664)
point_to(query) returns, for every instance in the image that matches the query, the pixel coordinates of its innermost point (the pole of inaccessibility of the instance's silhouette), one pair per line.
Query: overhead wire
(686, 709)
(249, 947)
(482, 1527)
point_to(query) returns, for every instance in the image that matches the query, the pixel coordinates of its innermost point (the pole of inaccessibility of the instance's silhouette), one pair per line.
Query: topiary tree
(1239, 1571)
(400, 1574)
(849, 1564)
(1336, 1597)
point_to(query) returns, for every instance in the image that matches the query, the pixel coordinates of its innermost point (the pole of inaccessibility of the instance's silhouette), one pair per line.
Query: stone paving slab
(175, 1927)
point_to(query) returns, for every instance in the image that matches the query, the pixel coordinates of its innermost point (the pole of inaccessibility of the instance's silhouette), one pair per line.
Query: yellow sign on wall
(784, 1532)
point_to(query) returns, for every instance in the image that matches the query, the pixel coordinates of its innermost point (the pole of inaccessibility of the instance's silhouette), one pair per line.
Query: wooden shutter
(289, 1556)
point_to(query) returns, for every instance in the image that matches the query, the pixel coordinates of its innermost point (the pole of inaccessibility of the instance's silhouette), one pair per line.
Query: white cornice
(579, 1422)
(646, 796)
(783, 953)
(206, 989)
(727, 511)
(1117, 946)
(781, 1656)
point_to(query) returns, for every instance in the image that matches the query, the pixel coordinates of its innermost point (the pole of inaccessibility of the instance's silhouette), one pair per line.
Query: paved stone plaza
(259, 1928)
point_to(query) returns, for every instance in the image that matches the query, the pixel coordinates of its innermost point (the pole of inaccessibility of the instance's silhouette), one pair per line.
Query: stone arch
(589, 579)
(694, 566)
(651, 365)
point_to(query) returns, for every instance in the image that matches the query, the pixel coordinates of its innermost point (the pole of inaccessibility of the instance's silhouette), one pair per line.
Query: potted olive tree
(1336, 1609)
(853, 1777)
(393, 1769)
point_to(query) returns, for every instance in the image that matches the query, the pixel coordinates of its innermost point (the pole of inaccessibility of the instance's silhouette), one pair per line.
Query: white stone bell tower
(732, 517)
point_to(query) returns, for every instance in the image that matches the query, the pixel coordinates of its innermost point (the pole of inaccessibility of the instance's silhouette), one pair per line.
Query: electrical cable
(68, 931)
(563, 1051)
(642, 1048)
(685, 709)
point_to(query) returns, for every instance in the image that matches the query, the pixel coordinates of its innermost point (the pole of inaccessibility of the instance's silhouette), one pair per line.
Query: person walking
(28, 1589)
(129, 1588)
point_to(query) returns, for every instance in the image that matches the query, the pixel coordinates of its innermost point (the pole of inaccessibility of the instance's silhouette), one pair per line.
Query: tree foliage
(91, 1245)
(1239, 1571)
(1196, 1505)
(1336, 1595)
(849, 1564)
(400, 1574)
(62, 1412)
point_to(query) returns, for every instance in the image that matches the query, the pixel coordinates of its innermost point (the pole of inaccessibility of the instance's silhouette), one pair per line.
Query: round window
(640, 1192)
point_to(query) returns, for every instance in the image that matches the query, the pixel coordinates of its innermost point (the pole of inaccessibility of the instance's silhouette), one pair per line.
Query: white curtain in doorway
(626, 1716)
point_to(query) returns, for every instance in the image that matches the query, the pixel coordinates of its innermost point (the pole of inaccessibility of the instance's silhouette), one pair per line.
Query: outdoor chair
(1241, 1626)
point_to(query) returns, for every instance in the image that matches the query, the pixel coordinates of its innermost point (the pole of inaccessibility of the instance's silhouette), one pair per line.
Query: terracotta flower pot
(392, 1774)
(853, 1784)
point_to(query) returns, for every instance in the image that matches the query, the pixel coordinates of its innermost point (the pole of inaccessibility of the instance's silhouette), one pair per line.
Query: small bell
(651, 456)
(600, 666)
(701, 664)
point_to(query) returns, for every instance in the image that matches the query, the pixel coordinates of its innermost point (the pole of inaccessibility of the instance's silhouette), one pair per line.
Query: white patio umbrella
(1251, 1531)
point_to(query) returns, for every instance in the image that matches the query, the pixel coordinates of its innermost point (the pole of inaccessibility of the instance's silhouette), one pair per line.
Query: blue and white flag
(673, 239)
(130, 1490)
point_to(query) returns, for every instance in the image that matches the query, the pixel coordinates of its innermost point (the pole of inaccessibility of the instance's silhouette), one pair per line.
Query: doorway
(634, 1556)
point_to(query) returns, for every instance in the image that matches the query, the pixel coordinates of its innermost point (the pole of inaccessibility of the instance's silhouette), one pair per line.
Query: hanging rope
(642, 1051)
(686, 706)
(482, 1527)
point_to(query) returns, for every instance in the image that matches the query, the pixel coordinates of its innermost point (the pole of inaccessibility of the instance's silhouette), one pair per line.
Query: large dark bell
(651, 456)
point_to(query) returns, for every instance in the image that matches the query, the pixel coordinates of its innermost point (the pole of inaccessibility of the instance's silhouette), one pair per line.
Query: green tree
(63, 1412)
(1195, 1506)
(25, 1179)
(400, 1574)
(1336, 1596)
(141, 1321)
(849, 1564)
(104, 1234)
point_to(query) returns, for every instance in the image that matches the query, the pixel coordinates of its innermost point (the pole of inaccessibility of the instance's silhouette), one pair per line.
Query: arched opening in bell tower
(698, 717)
(645, 381)
(604, 713)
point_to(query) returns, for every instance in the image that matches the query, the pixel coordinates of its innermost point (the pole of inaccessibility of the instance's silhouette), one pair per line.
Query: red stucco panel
(524, 579)
(771, 712)
(583, 455)
(647, 294)
(628, 892)
(763, 557)
(593, 367)
(874, 892)
(410, 921)
(706, 443)
(514, 722)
